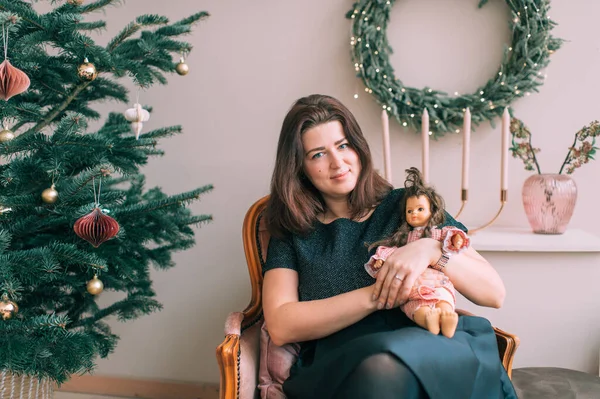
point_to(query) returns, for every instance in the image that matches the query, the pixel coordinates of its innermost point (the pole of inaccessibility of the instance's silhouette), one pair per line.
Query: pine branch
(91, 26)
(5, 239)
(199, 219)
(84, 179)
(172, 201)
(23, 10)
(124, 309)
(52, 114)
(162, 132)
(53, 89)
(192, 19)
(128, 31)
(182, 26)
(88, 8)
(66, 252)
(133, 27)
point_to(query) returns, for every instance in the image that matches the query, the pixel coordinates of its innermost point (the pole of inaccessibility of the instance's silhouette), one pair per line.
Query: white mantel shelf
(511, 239)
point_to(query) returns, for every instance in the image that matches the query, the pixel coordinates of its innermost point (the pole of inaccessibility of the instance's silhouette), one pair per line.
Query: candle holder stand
(503, 199)
(463, 197)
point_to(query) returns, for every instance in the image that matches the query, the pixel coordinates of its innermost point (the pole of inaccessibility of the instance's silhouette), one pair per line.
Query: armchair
(238, 354)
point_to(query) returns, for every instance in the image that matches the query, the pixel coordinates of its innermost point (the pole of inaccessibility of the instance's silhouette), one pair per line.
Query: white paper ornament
(137, 116)
(137, 128)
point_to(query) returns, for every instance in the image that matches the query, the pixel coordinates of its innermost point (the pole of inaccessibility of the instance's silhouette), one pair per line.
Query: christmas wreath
(519, 74)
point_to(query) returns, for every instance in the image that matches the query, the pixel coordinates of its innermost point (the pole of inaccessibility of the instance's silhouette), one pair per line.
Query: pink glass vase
(549, 201)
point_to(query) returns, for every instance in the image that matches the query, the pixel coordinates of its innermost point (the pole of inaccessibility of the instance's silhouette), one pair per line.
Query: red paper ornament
(13, 81)
(96, 227)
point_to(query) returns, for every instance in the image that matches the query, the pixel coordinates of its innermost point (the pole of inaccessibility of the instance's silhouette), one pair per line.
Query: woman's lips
(340, 175)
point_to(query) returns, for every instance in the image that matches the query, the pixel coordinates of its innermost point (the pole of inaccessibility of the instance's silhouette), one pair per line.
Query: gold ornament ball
(87, 71)
(6, 136)
(75, 2)
(182, 68)
(8, 308)
(50, 195)
(95, 286)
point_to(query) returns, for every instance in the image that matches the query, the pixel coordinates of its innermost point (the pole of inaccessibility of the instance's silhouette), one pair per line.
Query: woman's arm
(476, 279)
(470, 273)
(289, 320)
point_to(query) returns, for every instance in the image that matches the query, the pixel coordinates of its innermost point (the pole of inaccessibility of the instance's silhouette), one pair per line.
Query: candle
(425, 145)
(466, 149)
(385, 120)
(504, 148)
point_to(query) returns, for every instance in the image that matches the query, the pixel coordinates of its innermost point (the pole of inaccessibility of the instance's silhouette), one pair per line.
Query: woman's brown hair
(295, 203)
(414, 186)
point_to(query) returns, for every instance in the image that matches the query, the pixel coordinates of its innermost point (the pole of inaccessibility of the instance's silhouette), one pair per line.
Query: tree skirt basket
(13, 386)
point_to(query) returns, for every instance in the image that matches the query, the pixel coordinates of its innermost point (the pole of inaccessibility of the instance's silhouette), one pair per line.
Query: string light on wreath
(523, 62)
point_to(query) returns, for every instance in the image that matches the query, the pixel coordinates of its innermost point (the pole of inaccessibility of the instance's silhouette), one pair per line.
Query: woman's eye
(317, 155)
(343, 146)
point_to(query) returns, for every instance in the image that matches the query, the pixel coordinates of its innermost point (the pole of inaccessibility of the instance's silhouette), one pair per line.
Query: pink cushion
(275, 364)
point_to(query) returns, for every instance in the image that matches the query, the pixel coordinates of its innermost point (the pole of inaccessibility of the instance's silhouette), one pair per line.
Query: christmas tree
(75, 217)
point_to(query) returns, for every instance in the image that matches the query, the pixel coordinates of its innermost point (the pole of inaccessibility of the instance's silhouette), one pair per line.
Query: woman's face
(418, 211)
(331, 165)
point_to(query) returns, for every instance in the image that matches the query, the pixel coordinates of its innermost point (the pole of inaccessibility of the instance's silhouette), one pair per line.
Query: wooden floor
(68, 395)
(102, 387)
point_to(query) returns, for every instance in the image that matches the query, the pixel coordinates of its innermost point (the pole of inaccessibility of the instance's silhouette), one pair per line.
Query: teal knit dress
(330, 261)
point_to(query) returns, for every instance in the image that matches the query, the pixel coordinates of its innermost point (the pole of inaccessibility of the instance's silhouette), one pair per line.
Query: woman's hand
(401, 269)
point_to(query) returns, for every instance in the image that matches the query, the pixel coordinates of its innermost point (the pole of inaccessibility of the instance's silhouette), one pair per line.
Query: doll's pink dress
(432, 286)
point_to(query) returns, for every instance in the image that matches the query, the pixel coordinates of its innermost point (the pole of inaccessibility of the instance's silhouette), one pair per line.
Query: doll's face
(418, 211)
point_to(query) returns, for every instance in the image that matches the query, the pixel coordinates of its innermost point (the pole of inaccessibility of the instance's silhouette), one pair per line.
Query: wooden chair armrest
(238, 356)
(227, 355)
(507, 345)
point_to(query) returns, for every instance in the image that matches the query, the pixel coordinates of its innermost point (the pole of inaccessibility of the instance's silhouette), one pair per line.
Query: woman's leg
(381, 376)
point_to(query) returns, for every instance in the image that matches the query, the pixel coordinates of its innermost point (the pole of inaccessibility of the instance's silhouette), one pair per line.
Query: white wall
(253, 59)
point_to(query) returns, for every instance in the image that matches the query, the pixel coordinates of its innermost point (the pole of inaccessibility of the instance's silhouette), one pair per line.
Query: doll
(431, 303)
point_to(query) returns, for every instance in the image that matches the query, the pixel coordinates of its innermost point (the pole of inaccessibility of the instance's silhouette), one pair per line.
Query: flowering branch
(579, 156)
(521, 145)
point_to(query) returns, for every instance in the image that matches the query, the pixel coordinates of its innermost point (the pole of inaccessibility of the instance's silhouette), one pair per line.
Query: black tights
(381, 376)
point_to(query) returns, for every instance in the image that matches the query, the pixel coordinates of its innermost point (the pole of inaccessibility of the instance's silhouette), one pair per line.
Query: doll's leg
(428, 318)
(448, 318)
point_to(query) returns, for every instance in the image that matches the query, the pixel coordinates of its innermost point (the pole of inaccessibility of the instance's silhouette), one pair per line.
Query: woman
(326, 203)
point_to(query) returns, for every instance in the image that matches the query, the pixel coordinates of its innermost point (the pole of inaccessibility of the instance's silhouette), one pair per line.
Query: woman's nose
(336, 160)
